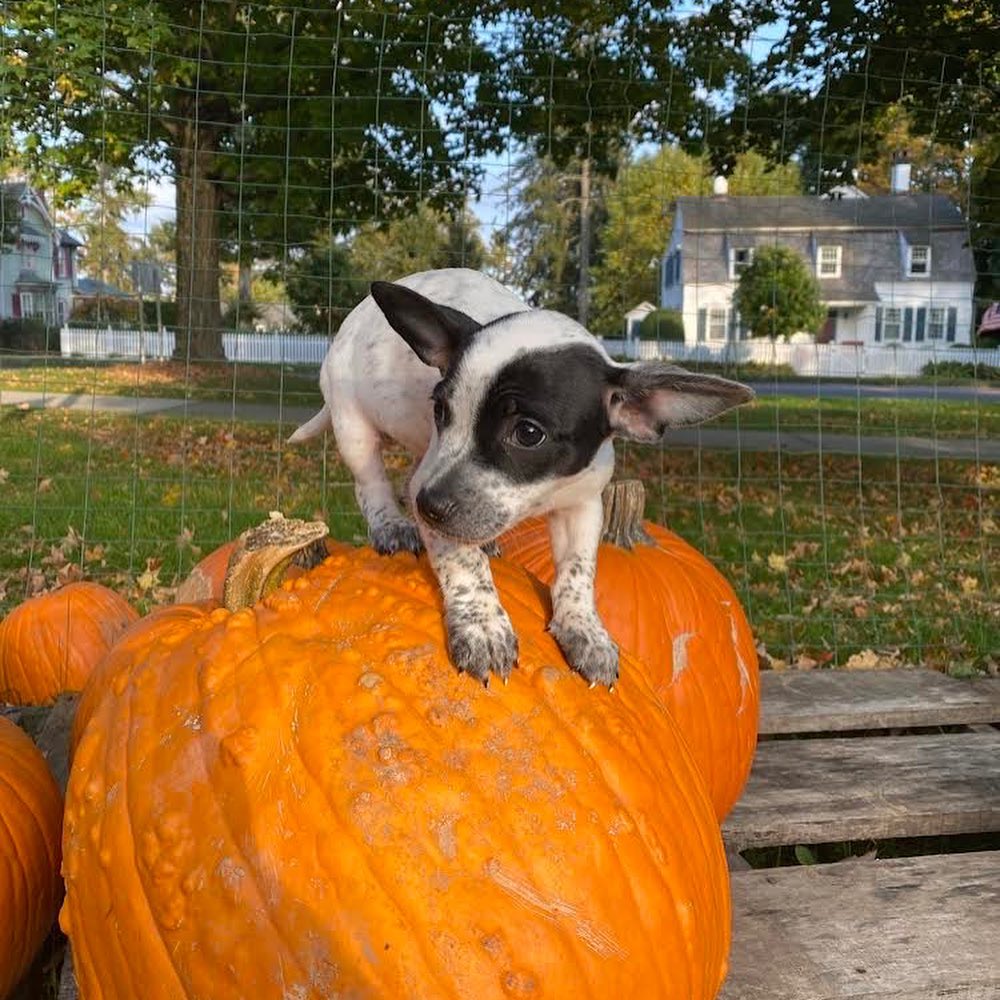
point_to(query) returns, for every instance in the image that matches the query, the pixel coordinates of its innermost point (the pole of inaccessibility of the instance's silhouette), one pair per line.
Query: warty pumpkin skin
(665, 603)
(304, 799)
(30, 827)
(50, 643)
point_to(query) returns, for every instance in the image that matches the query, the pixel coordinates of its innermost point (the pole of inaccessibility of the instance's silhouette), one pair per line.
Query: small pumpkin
(664, 602)
(51, 643)
(303, 798)
(30, 825)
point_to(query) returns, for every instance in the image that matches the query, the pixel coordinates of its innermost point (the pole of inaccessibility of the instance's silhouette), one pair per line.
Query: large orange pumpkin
(30, 825)
(668, 605)
(50, 643)
(304, 799)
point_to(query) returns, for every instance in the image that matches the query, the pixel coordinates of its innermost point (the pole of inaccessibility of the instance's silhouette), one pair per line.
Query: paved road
(984, 394)
(717, 438)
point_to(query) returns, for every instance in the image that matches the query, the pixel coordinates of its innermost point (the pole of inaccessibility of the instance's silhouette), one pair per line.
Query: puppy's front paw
(390, 537)
(588, 649)
(481, 646)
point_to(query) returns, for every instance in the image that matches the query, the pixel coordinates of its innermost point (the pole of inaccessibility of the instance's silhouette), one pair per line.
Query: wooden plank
(816, 791)
(815, 701)
(903, 929)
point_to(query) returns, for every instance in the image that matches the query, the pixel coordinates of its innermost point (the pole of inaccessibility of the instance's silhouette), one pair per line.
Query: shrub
(662, 324)
(961, 369)
(29, 335)
(778, 295)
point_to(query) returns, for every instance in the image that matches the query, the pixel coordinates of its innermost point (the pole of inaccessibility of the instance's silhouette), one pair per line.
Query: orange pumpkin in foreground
(304, 799)
(51, 643)
(664, 602)
(30, 826)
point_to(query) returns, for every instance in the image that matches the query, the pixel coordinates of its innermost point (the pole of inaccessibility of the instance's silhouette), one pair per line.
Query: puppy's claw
(391, 537)
(480, 648)
(588, 649)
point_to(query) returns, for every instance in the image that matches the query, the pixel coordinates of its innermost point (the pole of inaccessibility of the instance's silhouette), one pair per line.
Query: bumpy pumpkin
(304, 799)
(668, 605)
(51, 643)
(30, 825)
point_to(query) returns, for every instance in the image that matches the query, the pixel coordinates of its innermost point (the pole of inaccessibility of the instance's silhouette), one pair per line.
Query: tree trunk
(199, 312)
(583, 284)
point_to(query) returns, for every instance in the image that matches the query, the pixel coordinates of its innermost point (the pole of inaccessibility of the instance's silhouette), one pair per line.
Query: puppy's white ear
(646, 398)
(433, 331)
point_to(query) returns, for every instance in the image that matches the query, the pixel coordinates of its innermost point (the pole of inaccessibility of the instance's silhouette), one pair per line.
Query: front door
(828, 332)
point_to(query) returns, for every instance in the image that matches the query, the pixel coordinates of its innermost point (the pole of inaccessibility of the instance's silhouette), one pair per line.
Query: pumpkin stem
(624, 506)
(262, 555)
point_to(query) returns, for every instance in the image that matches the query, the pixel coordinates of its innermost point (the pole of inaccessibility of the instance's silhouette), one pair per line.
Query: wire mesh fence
(196, 195)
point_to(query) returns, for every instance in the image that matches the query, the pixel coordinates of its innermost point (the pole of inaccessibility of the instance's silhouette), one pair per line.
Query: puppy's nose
(433, 507)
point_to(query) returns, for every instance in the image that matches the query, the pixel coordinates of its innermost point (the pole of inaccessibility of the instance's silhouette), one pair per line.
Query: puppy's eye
(527, 434)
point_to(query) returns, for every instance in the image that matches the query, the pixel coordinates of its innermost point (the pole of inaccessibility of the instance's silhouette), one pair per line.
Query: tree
(268, 115)
(640, 216)
(108, 251)
(640, 210)
(321, 285)
(10, 221)
(538, 250)
(585, 80)
(778, 295)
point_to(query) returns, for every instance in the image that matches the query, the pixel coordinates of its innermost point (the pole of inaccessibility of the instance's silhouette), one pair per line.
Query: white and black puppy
(511, 412)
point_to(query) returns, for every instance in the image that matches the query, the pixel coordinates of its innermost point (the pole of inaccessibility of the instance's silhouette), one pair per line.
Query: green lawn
(833, 558)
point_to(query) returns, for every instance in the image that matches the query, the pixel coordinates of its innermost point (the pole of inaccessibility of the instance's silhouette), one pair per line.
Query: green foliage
(321, 285)
(778, 295)
(538, 250)
(640, 217)
(28, 335)
(961, 370)
(662, 324)
(10, 220)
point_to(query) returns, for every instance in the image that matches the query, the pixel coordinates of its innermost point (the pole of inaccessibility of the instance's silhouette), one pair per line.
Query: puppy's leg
(481, 638)
(575, 625)
(361, 448)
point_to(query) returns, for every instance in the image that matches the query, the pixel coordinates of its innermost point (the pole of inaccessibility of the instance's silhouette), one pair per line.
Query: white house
(892, 268)
(38, 271)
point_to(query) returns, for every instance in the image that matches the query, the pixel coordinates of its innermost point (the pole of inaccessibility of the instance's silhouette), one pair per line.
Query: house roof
(67, 239)
(95, 287)
(774, 212)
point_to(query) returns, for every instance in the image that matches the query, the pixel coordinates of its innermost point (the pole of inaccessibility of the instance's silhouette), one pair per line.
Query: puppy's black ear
(433, 331)
(645, 398)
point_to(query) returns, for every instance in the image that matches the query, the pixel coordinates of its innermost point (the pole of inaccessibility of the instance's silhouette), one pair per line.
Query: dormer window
(918, 264)
(828, 262)
(740, 258)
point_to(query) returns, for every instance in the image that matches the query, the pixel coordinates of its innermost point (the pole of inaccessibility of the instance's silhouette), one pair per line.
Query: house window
(717, 323)
(935, 326)
(27, 305)
(919, 262)
(828, 262)
(740, 258)
(892, 324)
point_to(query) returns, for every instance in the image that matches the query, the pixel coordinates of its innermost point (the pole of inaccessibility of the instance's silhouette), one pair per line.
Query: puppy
(510, 412)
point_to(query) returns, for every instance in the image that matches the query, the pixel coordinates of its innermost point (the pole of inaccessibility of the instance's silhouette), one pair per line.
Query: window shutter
(952, 323)
(702, 323)
(878, 323)
(907, 324)
(921, 323)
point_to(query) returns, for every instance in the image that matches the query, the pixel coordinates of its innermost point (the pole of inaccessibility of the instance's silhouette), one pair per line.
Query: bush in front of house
(662, 324)
(961, 369)
(778, 294)
(28, 335)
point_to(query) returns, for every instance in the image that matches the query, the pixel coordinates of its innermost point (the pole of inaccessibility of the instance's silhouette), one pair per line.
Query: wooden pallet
(918, 928)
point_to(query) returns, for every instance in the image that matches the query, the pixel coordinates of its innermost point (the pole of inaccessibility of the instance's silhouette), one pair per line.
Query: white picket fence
(154, 345)
(816, 360)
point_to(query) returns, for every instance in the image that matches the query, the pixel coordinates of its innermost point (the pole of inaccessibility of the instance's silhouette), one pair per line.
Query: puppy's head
(526, 409)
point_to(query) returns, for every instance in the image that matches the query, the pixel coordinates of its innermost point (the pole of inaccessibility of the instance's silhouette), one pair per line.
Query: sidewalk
(711, 438)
